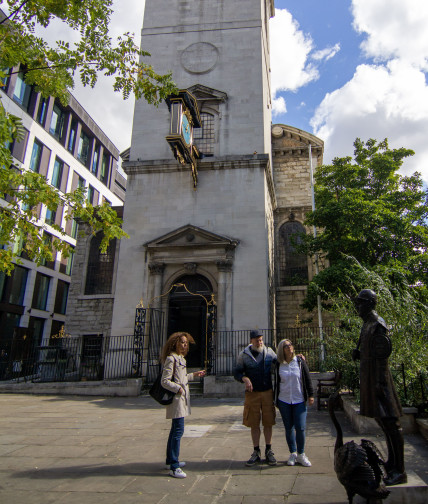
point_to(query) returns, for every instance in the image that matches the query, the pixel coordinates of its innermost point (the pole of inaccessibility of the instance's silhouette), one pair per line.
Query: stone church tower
(217, 236)
(230, 238)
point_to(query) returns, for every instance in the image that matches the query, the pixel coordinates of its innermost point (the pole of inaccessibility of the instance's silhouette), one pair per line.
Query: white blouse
(290, 383)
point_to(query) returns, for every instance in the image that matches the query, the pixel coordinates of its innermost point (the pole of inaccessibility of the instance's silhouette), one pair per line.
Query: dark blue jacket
(260, 374)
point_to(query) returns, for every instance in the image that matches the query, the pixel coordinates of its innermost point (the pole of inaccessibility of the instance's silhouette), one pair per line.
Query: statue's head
(366, 301)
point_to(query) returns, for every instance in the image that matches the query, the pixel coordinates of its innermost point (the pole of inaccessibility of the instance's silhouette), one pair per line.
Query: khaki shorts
(259, 406)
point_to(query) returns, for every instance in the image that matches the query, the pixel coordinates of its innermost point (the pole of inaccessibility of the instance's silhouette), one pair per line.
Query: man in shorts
(254, 368)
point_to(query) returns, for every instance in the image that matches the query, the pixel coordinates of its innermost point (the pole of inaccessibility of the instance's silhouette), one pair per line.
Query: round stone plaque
(199, 58)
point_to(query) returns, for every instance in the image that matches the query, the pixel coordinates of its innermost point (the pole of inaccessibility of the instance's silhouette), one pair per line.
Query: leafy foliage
(405, 315)
(367, 211)
(52, 71)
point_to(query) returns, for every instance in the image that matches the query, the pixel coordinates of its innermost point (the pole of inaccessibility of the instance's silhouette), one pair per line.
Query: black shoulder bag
(159, 393)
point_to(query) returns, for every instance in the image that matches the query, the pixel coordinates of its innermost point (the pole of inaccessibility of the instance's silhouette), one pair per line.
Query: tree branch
(14, 12)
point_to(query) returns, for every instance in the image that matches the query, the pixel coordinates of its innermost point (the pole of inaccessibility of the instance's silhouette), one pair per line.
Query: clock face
(186, 130)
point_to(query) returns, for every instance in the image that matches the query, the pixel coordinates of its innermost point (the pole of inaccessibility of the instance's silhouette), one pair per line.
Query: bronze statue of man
(379, 398)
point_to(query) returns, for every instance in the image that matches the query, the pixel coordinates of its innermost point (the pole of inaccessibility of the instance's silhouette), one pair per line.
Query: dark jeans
(173, 446)
(294, 418)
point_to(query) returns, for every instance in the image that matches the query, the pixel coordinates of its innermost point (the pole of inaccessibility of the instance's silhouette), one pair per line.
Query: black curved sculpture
(359, 468)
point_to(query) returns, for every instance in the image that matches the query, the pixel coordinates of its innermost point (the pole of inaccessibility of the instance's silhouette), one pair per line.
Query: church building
(215, 192)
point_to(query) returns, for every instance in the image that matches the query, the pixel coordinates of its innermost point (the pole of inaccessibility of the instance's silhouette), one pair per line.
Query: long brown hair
(171, 344)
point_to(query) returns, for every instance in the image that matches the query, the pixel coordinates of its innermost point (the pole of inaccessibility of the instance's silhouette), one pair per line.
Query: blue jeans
(294, 418)
(173, 446)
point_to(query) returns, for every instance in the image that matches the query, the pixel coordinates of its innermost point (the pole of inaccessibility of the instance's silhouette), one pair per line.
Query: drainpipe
(311, 171)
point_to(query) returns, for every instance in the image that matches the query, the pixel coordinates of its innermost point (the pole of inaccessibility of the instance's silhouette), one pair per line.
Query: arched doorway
(187, 311)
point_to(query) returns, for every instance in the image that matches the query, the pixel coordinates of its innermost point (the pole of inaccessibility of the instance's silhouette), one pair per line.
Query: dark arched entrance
(187, 311)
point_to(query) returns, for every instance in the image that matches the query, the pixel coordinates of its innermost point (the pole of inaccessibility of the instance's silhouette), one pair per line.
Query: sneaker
(292, 459)
(270, 459)
(180, 464)
(255, 457)
(177, 473)
(303, 460)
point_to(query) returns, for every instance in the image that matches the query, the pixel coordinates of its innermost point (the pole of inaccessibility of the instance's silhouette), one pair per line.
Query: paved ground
(79, 450)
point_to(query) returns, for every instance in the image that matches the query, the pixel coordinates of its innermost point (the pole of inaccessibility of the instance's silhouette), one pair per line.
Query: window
(57, 173)
(57, 122)
(22, 91)
(72, 137)
(50, 216)
(36, 156)
(12, 288)
(83, 148)
(69, 265)
(41, 111)
(105, 169)
(95, 162)
(90, 195)
(204, 136)
(293, 265)
(74, 228)
(61, 297)
(99, 274)
(81, 182)
(41, 291)
(47, 241)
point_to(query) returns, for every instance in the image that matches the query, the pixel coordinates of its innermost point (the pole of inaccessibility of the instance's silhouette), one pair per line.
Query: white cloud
(279, 106)
(380, 101)
(394, 28)
(290, 49)
(326, 54)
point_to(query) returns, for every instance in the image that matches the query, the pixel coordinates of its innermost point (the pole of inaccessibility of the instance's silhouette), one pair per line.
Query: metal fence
(306, 340)
(72, 359)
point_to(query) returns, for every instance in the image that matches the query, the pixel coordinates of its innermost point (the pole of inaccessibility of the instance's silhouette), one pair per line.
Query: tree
(367, 212)
(52, 70)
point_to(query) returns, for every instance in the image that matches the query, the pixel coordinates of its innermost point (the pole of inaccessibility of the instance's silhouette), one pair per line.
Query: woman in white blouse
(293, 390)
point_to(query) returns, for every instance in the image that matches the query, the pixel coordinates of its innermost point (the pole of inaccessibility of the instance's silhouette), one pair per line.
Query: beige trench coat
(180, 406)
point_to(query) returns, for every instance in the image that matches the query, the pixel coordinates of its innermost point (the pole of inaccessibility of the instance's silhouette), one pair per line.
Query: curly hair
(171, 344)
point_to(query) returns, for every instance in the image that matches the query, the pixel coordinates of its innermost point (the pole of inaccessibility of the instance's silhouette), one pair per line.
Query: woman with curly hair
(175, 378)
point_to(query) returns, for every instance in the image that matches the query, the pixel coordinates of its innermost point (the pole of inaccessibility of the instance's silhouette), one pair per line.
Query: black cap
(255, 333)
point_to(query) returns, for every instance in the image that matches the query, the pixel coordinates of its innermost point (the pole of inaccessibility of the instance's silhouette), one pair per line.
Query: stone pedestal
(415, 491)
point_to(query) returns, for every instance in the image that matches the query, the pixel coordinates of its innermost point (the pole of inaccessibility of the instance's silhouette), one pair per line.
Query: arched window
(99, 274)
(293, 265)
(204, 136)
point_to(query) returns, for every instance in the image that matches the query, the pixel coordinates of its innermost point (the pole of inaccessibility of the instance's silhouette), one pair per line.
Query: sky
(341, 69)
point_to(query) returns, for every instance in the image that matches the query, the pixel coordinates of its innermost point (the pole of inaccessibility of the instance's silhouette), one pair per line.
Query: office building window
(72, 137)
(12, 288)
(50, 216)
(22, 91)
(99, 273)
(61, 297)
(95, 162)
(105, 169)
(74, 228)
(36, 156)
(83, 148)
(57, 173)
(90, 195)
(57, 122)
(47, 241)
(69, 265)
(41, 111)
(41, 291)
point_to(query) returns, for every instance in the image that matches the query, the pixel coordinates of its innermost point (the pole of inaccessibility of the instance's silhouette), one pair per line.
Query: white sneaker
(303, 460)
(292, 459)
(178, 473)
(180, 464)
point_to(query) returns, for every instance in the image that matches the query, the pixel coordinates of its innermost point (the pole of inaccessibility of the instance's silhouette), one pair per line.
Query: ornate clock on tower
(184, 118)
